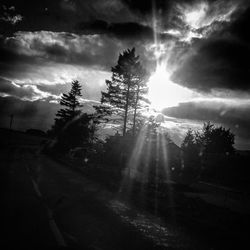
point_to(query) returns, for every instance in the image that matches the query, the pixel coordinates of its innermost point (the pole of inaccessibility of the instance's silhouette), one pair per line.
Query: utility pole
(11, 120)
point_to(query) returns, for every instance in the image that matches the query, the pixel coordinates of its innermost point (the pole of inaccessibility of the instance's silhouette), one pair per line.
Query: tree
(216, 140)
(78, 133)
(146, 125)
(206, 151)
(140, 91)
(73, 128)
(211, 140)
(71, 110)
(125, 90)
(191, 155)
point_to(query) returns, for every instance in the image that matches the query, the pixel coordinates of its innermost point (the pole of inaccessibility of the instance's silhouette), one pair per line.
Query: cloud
(12, 19)
(186, 16)
(178, 127)
(25, 91)
(58, 57)
(239, 28)
(9, 15)
(48, 58)
(219, 57)
(62, 47)
(134, 31)
(58, 15)
(55, 89)
(129, 30)
(216, 63)
(201, 19)
(50, 79)
(144, 7)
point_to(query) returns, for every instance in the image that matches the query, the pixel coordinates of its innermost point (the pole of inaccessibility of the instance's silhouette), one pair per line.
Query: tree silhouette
(146, 125)
(72, 105)
(216, 140)
(211, 140)
(140, 91)
(191, 155)
(73, 128)
(125, 91)
(78, 133)
(203, 151)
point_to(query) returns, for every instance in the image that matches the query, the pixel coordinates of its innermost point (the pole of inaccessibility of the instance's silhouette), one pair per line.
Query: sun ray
(131, 171)
(167, 171)
(156, 179)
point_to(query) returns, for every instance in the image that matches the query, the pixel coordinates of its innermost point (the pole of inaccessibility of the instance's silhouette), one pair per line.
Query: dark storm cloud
(221, 61)
(36, 15)
(9, 52)
(240, 27)
(164, 10)
(14, 64)
(234, 116)
(218, 63)
(120, 30)
(30, 52)
(58, 15)
(26, 49)
(145, 7)
(128, 31)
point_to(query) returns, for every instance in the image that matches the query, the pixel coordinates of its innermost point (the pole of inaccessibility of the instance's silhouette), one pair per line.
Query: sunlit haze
(163, 92)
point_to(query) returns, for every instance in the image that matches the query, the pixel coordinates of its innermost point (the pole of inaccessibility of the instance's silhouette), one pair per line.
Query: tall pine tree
(125, 90)
(139, 92)
(72, 105)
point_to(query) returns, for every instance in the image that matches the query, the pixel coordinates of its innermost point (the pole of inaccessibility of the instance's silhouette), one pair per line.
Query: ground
(47, 204)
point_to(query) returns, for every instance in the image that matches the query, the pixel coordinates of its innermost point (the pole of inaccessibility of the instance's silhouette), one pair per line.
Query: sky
(196, 51)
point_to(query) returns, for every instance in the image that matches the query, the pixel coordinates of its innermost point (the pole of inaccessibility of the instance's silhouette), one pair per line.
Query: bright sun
(163, 92)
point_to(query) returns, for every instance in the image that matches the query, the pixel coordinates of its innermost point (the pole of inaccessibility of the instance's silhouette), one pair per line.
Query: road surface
(49, 205)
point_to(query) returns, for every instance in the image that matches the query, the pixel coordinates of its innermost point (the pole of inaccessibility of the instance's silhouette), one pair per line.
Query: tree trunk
(126, 111)
(135, 112)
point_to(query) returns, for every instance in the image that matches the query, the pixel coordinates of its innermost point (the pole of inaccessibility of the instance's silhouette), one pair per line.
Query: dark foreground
(48, 205)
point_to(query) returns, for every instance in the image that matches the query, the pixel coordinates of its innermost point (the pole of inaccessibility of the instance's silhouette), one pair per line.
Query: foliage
(150, 151)
(203, 150)
(149, 125)
(118, 149)
(73, 128)
(80, 132)
(140, 90)
(191, 155)
(125, 91)
(71, 110)
(211, 140)
(216, 140)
